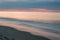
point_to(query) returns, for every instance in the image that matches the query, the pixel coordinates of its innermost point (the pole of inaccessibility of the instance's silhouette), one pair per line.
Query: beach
(46, 24)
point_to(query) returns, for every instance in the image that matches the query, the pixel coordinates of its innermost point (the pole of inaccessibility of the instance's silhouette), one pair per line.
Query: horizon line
(30, 10)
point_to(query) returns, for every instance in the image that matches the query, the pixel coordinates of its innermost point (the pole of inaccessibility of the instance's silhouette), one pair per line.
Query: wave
(36, 28)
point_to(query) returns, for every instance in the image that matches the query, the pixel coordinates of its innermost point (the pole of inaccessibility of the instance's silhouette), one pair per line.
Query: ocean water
(53, 28)
(46, 26)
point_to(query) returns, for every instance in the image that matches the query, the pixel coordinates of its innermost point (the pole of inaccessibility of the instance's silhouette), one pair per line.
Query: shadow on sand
(8, 33)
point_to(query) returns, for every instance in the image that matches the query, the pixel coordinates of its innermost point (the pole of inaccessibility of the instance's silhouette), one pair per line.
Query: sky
(29, 0)
(28, 4)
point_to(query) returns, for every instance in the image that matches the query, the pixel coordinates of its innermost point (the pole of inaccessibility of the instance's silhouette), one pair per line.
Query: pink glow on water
(32, 10)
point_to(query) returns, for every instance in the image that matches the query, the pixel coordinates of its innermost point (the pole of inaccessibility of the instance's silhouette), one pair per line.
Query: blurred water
(52, 27)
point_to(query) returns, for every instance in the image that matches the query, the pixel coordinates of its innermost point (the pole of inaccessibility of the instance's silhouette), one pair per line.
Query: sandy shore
(8, 33)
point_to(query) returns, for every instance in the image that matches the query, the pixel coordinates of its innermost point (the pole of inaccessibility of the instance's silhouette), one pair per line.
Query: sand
(8, 33)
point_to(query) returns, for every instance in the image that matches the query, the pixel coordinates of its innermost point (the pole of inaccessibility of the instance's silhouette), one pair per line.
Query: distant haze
(26, 4)
(34, 16)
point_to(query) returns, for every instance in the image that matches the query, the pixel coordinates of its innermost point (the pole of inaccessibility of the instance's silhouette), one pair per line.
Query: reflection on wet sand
(28, 26)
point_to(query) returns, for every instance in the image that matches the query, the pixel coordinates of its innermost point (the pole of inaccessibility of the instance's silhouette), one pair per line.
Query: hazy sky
(29, 0)
(26, 4)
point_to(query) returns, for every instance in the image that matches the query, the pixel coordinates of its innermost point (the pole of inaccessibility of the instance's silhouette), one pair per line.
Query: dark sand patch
(8, 33)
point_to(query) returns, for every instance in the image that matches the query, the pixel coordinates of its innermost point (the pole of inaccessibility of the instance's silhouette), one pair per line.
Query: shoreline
(32, 30)
(18, 34)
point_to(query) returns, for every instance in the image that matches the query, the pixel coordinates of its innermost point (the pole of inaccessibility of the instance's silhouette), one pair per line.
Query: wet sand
(8, 33)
